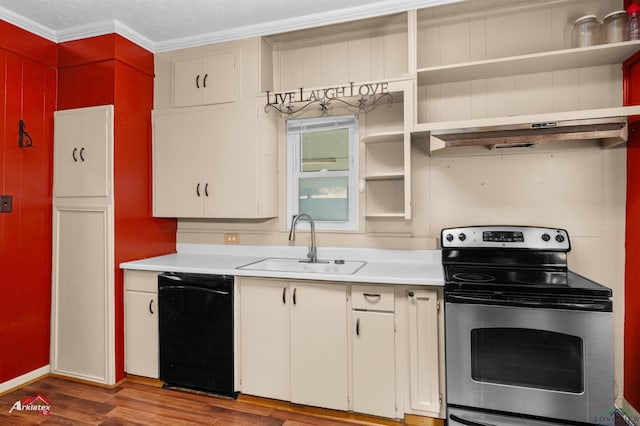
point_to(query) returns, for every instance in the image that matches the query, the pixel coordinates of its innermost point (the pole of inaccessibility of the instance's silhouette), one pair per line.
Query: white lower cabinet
(374, 374)
(294, 341)
(319, 373)
(378, 352)
(141, 348)
(264, 338)
(424, 353)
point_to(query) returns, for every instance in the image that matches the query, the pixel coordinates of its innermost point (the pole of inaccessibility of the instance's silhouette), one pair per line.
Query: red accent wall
(112, 70)
(632, 245)
(27, 92)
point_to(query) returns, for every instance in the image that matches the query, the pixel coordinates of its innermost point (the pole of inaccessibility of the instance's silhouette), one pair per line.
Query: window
(323, 170)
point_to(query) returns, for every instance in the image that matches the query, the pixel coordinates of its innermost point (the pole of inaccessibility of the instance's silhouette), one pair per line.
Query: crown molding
(102, 28)
(27, 24)
(379, 8)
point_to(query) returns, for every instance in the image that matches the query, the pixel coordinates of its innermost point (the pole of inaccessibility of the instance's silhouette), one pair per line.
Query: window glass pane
(326, 150)
(526, 357)
(325, 199)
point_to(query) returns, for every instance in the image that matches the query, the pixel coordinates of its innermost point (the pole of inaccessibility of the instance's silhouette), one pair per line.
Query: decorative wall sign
(360, 98)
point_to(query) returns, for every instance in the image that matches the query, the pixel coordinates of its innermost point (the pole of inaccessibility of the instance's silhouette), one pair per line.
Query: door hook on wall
(24, 140)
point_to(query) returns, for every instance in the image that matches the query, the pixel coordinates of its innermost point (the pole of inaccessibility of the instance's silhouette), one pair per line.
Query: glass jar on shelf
(586, 31)
(614, 26)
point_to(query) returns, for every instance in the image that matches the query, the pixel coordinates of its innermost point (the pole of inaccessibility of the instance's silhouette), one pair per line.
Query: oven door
(552, 363)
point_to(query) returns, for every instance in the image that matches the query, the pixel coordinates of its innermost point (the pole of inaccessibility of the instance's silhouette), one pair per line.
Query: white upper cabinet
(204, 80)
(83, 140)
(216, 162)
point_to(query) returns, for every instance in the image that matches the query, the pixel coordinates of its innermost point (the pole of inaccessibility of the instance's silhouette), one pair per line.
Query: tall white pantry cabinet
(82, 310)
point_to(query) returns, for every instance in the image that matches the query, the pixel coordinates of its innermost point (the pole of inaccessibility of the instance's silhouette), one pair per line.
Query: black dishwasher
(196, 331)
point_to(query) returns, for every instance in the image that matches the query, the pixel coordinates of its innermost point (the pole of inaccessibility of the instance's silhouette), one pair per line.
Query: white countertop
(414, 267)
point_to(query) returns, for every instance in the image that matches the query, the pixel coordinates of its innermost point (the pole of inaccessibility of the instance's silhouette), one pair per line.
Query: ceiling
(161, 25)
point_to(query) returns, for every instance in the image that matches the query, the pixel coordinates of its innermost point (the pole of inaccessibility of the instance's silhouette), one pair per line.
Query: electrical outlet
(232, 238)
(5, 203)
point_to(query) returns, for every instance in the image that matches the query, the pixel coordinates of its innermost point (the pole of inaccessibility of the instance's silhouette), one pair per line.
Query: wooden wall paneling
(28, 92)
(534, 93)
(335, 63)
(395, 55)
(359, 59)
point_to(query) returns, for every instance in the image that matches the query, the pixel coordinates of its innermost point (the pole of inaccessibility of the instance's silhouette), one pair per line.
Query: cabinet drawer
(378, 298)
(141, 281)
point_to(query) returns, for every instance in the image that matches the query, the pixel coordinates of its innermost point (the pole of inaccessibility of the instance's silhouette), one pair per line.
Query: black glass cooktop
(547, 281)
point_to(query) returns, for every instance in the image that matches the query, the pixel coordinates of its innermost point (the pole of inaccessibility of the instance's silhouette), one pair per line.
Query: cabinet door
(202, 81)
(319, 345)
(230, 140)
(82, 334)
(141, 333)
(374, 378)
(178, 186)
(219, 78)
(83, 140)
(264, 338)
(423, 351)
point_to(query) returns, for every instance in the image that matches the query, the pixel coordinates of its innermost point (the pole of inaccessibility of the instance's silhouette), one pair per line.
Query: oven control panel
(521, 237)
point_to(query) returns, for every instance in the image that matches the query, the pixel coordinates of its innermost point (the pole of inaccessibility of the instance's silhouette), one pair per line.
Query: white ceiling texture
(162, 25)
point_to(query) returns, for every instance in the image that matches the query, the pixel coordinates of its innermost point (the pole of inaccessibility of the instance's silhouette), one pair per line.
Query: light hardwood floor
(136, 403)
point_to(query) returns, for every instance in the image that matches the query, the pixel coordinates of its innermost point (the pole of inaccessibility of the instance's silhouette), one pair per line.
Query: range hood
(610, 131)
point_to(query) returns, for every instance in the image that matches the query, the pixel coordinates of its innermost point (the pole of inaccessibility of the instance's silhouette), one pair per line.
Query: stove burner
(474, 277)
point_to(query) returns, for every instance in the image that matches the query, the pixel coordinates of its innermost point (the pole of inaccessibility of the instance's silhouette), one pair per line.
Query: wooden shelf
(384, 137)
(385, 215)
(605, 54)
(385, 176)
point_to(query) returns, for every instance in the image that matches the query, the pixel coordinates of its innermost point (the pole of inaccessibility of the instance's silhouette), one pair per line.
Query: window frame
(295, 128)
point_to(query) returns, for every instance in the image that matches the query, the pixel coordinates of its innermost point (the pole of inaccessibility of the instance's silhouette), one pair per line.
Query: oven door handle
(467, 422)
(595, 306)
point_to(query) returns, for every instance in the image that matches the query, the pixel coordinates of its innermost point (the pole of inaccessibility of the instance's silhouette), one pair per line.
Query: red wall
(95, 71)
(111, 70)
(27, 92)
(632, 245)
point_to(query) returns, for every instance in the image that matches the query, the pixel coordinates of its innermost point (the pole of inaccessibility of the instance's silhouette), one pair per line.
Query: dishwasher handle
(193, 287)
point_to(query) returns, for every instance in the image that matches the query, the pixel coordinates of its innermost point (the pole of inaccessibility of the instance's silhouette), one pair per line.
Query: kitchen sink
(304, 266)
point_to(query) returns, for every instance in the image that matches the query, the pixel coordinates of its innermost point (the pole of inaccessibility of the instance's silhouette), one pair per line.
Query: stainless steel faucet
(312, 255)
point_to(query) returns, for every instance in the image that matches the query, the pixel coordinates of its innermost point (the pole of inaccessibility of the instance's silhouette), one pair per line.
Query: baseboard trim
(21, 381)
(629, 413)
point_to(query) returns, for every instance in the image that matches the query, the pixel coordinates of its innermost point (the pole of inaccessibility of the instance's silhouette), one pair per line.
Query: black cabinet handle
(410, 293)
(73, 154)
(198, 189)
(358, 327)
(151, 307)
(372, 295)
(82, 154)
(284, 296)
(204, 81)
(294, 296)
(198, 81)
(206, 189)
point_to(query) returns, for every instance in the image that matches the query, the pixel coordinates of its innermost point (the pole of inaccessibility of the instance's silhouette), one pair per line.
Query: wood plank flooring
(133, 403)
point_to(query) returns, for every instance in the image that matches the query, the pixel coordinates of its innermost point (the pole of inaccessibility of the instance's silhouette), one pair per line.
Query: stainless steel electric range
(528, 342)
